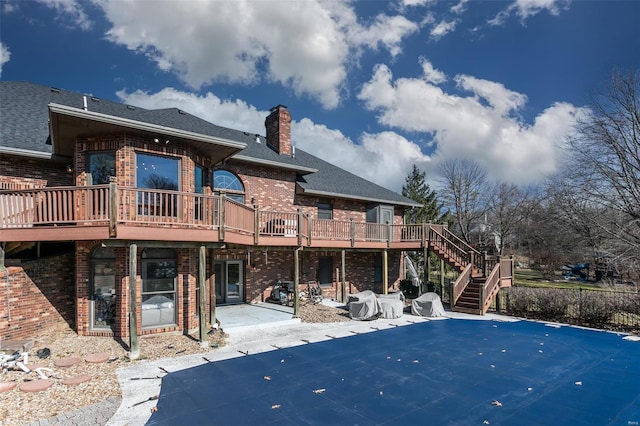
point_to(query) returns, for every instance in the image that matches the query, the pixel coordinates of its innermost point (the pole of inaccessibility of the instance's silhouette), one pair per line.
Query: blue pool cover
(446, 372)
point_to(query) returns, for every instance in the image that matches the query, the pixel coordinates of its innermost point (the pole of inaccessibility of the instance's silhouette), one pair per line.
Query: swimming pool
(438, 372)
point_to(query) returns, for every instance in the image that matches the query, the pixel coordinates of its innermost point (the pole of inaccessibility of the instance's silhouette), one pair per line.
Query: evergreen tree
(418, 190)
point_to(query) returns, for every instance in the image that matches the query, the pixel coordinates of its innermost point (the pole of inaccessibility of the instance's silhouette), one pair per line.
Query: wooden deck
(109, 212)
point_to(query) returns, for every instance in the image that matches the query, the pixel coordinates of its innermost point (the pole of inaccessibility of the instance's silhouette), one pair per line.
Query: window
(155, 172)
(100, 167)
(377, 268)
(159, 273)
(224, 180)
(199, 184)
(325, 211)
(325, 270)
(102, 289)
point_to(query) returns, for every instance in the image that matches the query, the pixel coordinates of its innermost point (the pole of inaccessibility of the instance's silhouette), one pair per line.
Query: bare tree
(464, 190)
(602, 185)
(507, 208)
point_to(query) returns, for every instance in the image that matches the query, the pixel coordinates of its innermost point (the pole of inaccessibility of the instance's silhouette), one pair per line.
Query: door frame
(222, 282)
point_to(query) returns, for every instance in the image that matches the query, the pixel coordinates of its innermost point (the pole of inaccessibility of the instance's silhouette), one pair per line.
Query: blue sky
(372, 86)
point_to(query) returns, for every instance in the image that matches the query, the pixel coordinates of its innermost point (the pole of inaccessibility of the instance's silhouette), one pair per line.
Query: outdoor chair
(427, 305)
(364, 306)
(392, 305)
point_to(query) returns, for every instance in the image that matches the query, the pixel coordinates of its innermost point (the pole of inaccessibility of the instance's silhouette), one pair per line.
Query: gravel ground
(19, 408)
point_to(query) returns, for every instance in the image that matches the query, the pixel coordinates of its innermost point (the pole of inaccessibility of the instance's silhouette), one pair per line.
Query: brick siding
(41, 296)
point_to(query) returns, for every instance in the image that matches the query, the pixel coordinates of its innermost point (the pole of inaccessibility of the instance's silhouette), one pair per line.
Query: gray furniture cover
(427, 305)
(392, 305)
(364, 306)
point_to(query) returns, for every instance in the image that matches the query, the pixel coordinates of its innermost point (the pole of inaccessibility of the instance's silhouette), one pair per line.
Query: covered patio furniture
(392, 305)
(364, 306)
(427, 305)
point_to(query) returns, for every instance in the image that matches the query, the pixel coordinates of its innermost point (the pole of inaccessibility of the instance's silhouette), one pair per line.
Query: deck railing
(113, 205)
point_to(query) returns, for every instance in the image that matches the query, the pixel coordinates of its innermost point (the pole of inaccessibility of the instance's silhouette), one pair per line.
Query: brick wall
(263, 266)
(22, 173)
(41, 296)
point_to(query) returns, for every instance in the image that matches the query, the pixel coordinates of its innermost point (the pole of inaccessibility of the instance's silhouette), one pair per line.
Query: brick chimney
(278, 124)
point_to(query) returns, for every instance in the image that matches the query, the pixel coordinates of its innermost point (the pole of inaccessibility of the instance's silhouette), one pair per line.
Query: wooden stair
(458, 254)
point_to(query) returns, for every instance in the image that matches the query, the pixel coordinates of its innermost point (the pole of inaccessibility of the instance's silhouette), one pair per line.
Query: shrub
(596, 308)
(520, 301)
(552, 303)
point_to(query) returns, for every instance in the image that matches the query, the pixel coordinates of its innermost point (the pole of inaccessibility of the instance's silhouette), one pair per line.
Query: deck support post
(427, 271)
(202, 293)
(442, 277)
(344, 282)
(385, 272)
(212, 291)
(134, 348)
(296, 281)
(2, 249)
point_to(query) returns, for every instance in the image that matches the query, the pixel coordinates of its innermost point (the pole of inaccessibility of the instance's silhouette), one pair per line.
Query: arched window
(102, 288)
(224, 180)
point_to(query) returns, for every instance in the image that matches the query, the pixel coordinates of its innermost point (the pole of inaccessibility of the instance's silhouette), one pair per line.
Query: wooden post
(2, 250)
(296, 281)
(385, 272)
(221, 217)
(352, 228)
(113, 207)
(344, 282)
(427, 270)
(442, 275)
(299, 228)
(134, 349)
(212, 291)
(202, 281)
(256, 224)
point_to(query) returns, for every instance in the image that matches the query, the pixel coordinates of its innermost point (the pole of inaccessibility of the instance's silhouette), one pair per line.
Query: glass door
(229, 282)
(235, 282)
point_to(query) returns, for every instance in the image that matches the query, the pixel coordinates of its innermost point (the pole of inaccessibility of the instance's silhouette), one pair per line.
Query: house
(96, 196)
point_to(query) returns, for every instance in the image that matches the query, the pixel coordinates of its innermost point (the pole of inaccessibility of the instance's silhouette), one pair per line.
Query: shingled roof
(24, 128)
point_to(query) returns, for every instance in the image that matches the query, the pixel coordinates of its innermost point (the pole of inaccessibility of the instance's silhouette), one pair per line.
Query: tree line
(589, 211)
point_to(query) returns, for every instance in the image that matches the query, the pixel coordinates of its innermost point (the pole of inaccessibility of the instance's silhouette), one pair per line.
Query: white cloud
(72, 9)
(386, 151)
(483, 125)
(460, 7)
(232, 114)
(303, 45)
(411, 3)
(526, 8)
(442, 28)
(386, 30)
(5, 55)
(431, 74)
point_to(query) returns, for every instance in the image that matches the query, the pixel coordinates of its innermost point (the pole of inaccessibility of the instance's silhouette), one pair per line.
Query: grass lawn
(532, 278)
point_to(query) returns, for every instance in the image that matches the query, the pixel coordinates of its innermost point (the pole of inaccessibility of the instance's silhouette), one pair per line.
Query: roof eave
(305, 191)
(229, 146)
(294, 167)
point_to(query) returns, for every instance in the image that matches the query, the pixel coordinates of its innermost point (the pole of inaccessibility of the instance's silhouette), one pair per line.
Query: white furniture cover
(364, 306)
(392, 305)
(427, 305)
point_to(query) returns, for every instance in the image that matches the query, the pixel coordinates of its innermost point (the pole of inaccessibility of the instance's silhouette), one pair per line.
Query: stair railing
(490, 288)
(460, 284)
